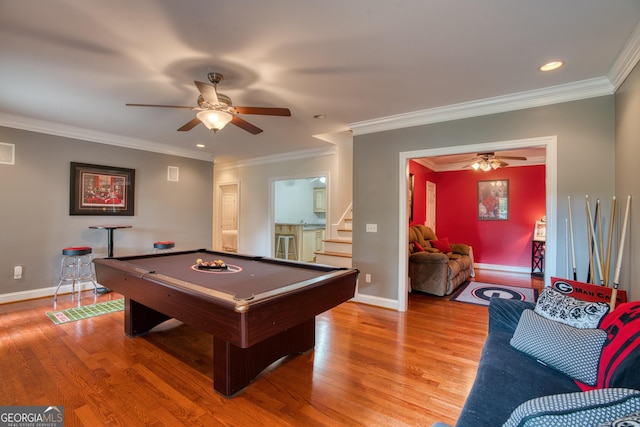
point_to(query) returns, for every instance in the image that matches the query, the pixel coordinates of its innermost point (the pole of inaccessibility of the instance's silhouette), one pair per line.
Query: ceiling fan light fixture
(476, 166)
(214, 119)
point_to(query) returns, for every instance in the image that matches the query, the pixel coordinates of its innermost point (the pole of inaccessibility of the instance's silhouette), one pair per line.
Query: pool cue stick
(596, 251)
(573, 251)
(590, 272)
(616, 276)
(566, 248)
(600, 239)
(607, 265)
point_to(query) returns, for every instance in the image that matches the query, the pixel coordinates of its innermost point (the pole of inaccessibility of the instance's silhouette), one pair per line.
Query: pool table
(258, 309)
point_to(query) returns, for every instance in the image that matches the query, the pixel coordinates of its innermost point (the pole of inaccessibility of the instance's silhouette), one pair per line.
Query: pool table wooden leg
(235, 367)
(140, 319)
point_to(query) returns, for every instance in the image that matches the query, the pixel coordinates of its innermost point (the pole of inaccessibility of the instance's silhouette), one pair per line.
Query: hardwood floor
(370, 367)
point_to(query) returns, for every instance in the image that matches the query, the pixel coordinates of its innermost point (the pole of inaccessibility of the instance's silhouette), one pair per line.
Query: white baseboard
(377, 301)
(42, 293)
(505, 268)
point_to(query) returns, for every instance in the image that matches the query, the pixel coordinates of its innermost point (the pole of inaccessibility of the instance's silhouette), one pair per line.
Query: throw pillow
(621, 352)
(418, 247)
(569, 310)
(574, 352)
(589, 408)
(442, 245)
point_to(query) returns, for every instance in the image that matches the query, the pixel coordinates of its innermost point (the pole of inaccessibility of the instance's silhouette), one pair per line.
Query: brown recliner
(433, 271)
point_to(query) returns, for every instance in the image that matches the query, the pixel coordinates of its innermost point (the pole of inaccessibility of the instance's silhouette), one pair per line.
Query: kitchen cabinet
(319, 200)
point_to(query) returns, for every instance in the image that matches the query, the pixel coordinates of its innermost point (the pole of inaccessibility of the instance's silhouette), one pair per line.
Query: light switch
(372, 228)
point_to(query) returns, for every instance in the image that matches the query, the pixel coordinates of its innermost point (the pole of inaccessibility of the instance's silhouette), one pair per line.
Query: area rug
(480, 293)
(79, 313)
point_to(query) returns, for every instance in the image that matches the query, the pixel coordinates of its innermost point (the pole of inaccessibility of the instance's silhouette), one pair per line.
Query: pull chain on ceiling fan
(215, 110)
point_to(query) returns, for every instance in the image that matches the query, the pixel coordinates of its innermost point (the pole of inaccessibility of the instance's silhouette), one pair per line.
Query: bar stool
(163, 246)
(284, 240)
(76, 265)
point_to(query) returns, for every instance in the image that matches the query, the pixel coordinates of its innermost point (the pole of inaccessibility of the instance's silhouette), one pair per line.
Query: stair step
(347, 242)
(336, 254)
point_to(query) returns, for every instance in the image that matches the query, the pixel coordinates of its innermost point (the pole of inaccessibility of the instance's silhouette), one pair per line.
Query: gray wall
(585, 135)
(35, 221)
(628, 177)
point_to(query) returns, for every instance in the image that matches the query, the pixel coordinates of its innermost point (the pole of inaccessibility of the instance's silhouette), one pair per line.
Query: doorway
(299, 217)
(550, 144)
(229, 217)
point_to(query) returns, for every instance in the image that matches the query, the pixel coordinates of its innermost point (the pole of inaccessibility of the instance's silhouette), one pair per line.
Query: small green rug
(79, 313)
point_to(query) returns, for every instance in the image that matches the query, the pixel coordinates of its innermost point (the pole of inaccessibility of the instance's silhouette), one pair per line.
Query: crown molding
(49, 128)
(626, 60)
(290, 156)
(517, 101)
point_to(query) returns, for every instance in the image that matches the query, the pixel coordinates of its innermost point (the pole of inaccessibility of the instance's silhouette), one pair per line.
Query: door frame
(217, 221)
(551, 170)
(272, 202)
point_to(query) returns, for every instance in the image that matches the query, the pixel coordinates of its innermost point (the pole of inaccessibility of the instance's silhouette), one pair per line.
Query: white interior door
(229, 217)
(431, 206)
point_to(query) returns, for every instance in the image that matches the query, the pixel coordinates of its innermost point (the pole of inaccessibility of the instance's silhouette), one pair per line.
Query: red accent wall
(494, 242)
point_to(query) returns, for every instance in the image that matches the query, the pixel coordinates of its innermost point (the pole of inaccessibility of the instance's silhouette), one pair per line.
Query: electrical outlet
(367, 278)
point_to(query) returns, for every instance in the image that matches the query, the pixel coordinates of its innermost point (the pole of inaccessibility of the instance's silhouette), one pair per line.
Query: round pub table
(109, 229)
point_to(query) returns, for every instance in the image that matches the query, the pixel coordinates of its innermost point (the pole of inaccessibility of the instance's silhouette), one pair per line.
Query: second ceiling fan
(489, 161)
(215, 110)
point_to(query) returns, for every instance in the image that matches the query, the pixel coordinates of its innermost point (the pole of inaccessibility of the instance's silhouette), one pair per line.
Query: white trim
(517, 101)
(551, 145)
(44, 292)
(376, 301)
(508, 268)
(626, 60)
(289, 156)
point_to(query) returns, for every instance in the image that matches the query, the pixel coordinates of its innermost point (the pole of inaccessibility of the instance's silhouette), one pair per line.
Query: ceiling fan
(489, 161)
(215, 110)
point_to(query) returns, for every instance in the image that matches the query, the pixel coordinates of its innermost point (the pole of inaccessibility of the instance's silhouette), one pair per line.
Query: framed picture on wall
(493, 200)
(540, 231)
(101, 190)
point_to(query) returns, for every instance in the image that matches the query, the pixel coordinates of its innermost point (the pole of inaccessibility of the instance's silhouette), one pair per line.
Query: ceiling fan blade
(190, 125)
(161, 106)
(208, 92)
(265, 111)
(243, 124)
(510, 157)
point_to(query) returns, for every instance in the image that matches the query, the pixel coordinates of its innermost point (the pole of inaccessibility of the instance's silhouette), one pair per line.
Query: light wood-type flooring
(370, 367)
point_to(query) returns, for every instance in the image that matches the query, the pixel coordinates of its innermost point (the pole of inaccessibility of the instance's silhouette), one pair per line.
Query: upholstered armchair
(436, 266)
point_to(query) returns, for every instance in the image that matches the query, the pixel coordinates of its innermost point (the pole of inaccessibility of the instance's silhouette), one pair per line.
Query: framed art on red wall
(493, 200)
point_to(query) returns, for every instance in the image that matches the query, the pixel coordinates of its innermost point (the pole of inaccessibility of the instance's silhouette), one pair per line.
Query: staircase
(337, 251)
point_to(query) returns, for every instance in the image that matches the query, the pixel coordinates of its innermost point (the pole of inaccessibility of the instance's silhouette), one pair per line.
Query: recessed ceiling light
(319, 116)
(200, 145)
(550, 66)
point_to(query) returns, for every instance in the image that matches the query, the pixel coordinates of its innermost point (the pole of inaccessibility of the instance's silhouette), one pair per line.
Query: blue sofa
(513, 388)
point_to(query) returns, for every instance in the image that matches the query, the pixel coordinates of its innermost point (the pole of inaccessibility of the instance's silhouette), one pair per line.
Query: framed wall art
(493, 200)
(101, 190)
(540, 231)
